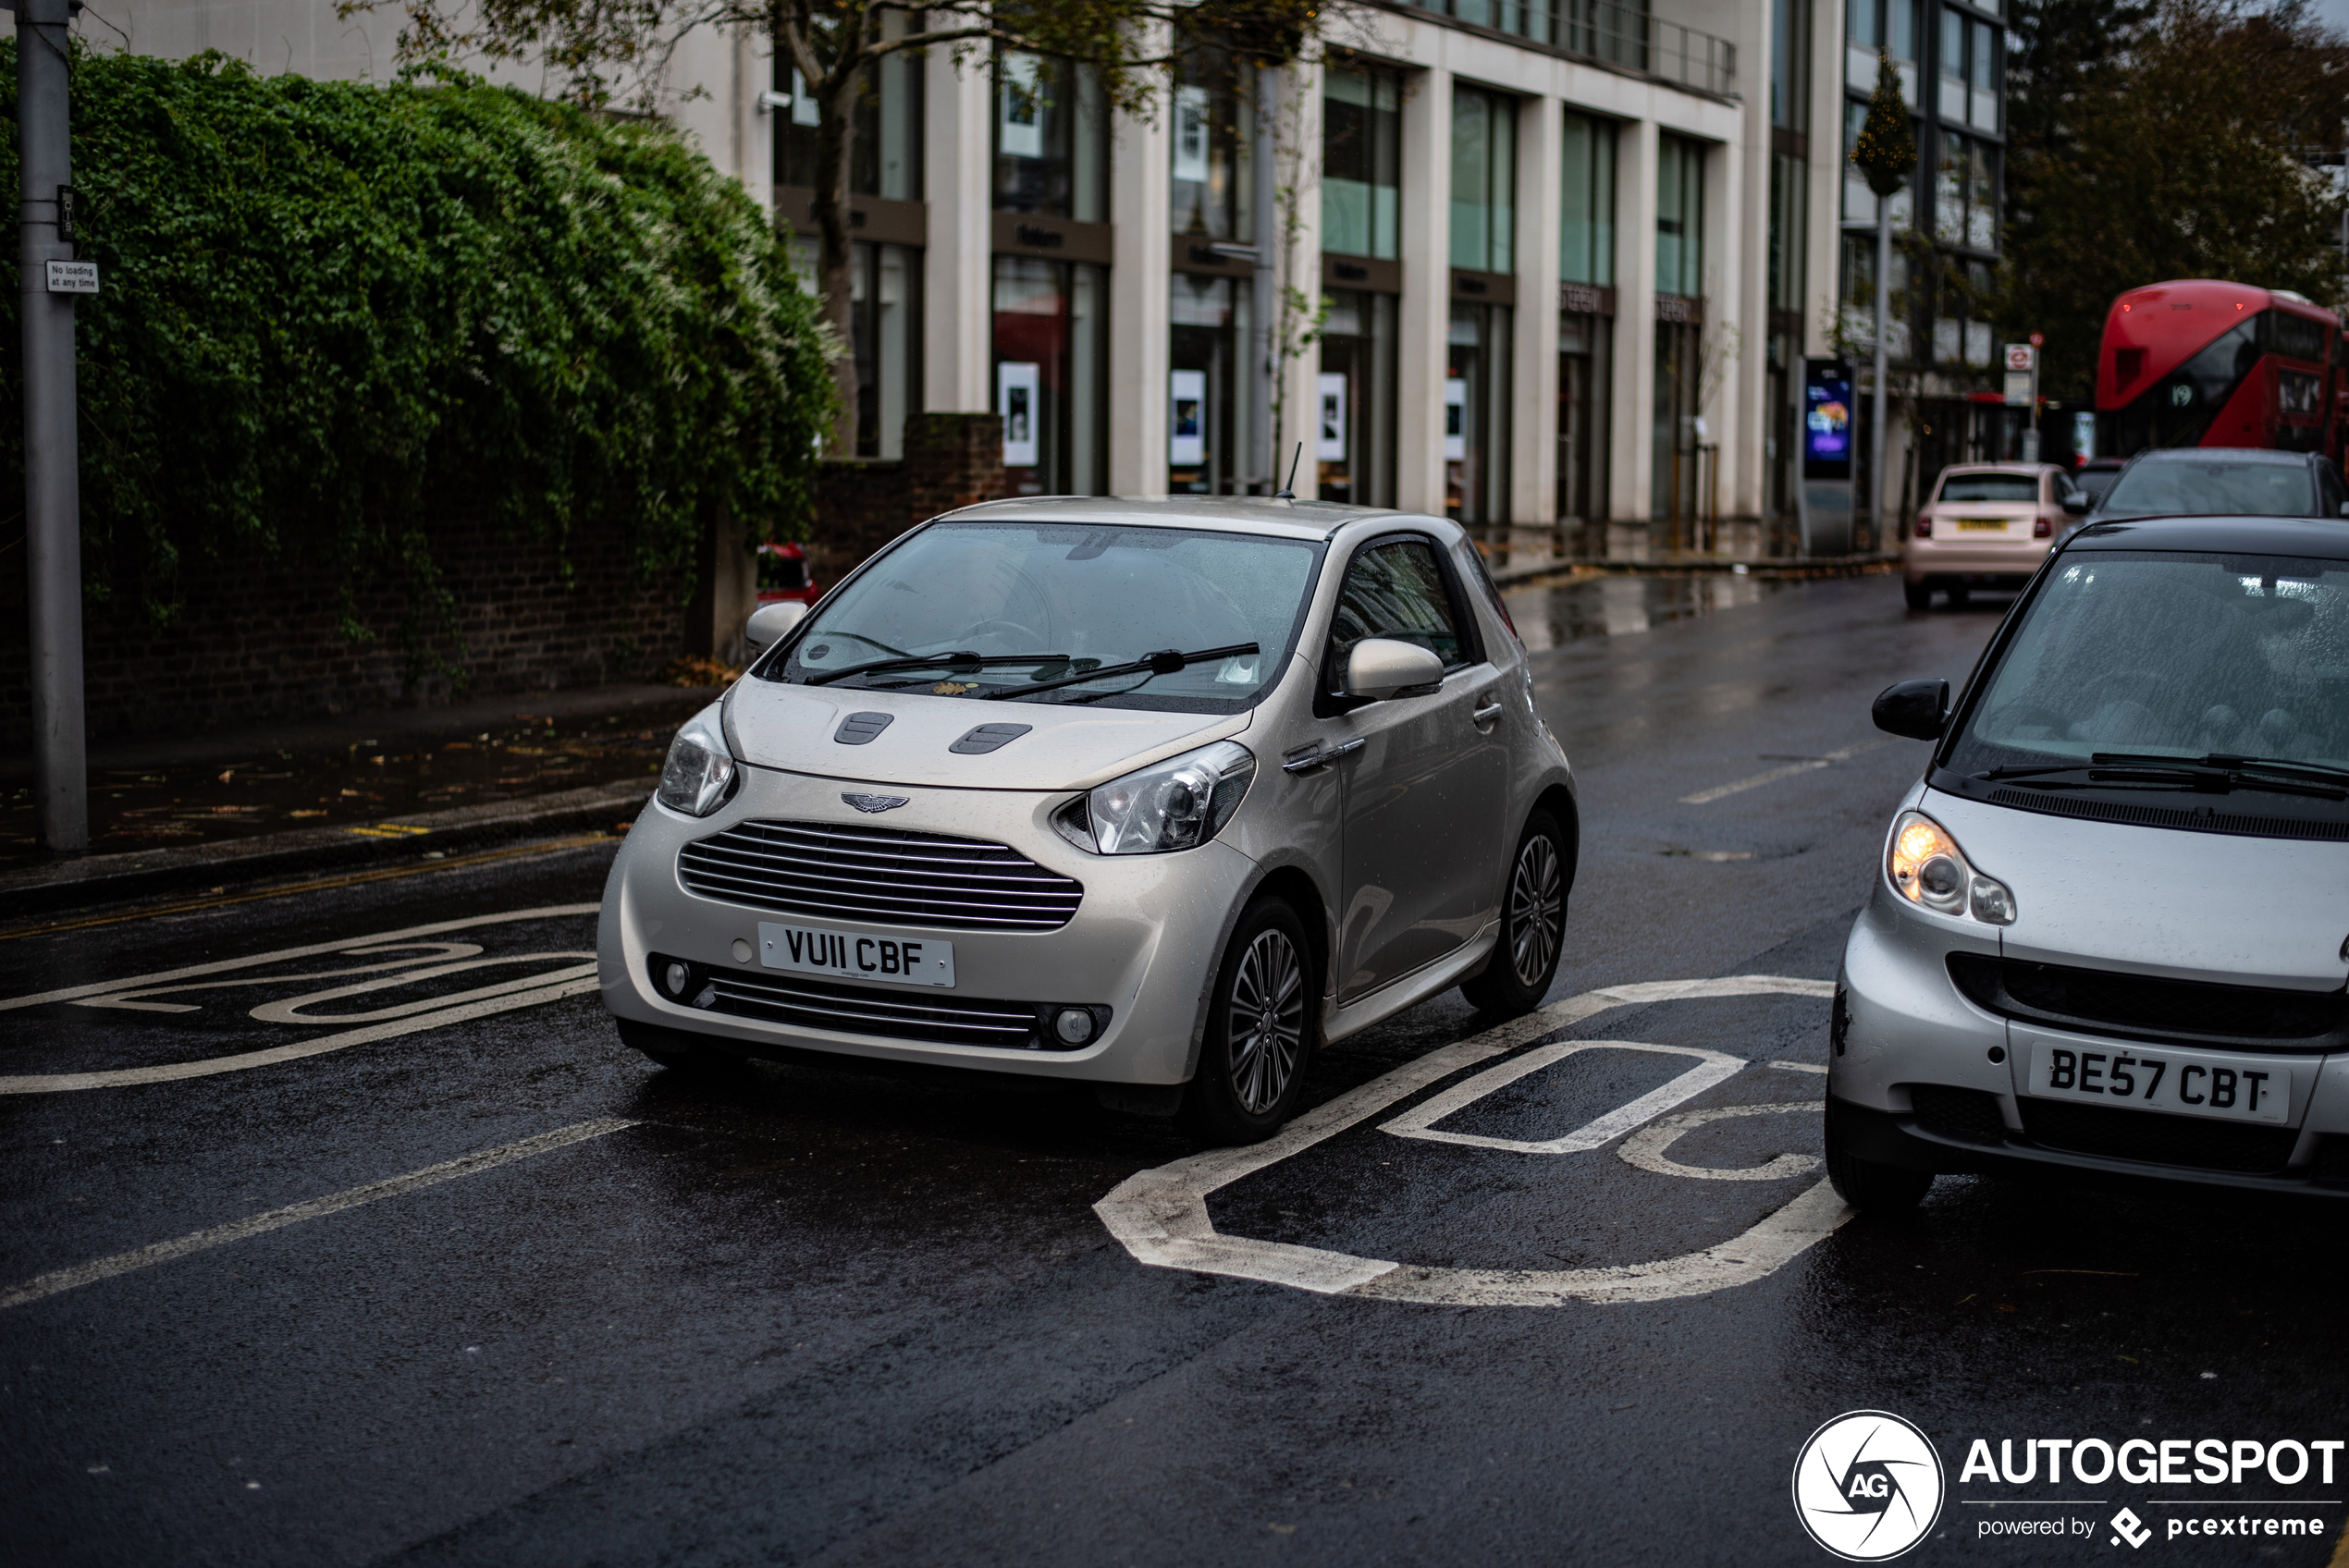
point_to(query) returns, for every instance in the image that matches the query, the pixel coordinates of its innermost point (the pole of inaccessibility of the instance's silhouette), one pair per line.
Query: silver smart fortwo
(1156, 796)
(2108, 936)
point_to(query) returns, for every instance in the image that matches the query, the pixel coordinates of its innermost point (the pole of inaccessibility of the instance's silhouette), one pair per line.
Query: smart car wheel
(1259, 1020)
(1525, 959)
(1873, 1187)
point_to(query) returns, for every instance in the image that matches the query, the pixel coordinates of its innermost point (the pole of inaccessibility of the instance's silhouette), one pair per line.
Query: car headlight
(1928, 868)
(1175, 804)
(699, 773)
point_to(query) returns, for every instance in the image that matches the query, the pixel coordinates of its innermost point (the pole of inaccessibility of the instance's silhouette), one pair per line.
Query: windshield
(2169, 486)
(1990, 487)
(2171, 655)
(2094, 482)
(1066, 598)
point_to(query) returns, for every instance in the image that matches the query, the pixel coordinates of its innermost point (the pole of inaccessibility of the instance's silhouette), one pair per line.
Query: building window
(1476, 413)
(885, 323)
(1789, 222)
(1483, 180)
(1858, 201)
(1965, 203)
(1586, 254)
(1679, 216)
(1677, 435)
(1586, 368)
(1209, 403)
(1790, 65)
(1052, 139)
(885, 160)
(1354, 432)
(1051, 375)
(1361, 162)
(1214, 148)
(1985, 70)
(1960, 342)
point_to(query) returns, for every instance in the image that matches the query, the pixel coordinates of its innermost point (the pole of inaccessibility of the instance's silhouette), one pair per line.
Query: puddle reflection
(1550, 616)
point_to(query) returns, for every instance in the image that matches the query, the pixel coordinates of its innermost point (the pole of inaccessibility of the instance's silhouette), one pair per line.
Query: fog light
(675, 978)
(1073, 1026)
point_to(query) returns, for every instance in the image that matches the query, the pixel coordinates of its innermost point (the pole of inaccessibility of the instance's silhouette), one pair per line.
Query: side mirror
(1380, 667)
(2076, 503)
(769, 623)
(1913, 709)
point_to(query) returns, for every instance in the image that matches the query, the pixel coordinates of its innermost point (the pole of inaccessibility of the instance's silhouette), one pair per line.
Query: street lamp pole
(1876, 413)
(52, 471)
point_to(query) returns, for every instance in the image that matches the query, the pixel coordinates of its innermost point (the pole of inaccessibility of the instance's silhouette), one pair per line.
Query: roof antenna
(1288, 492)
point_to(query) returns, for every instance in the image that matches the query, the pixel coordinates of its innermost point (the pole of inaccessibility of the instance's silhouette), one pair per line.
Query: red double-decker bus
(2204, 364)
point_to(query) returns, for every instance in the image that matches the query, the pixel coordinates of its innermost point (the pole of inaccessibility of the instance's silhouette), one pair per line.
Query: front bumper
(1142, 944)
(1911, 1082)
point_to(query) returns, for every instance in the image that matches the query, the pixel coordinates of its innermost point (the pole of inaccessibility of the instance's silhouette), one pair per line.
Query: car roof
(1224, 514)
(2220, 454)
(2229, 536)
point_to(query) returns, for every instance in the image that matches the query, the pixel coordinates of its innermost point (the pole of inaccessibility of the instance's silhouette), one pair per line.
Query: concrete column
(1142, 205)
(956, 267)
(1426, 307)
(1533, 448)
(730, 65)
(1299, 253)
(1823, 233)
(1632, 466)
(1736, 228)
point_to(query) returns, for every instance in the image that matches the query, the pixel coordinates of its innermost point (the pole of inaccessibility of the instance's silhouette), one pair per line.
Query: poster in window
(1190, 133)
(1018, 397)
(1187, 408)
(1455, 419)
(1330, 448)
(1020, 133)
(805, 110)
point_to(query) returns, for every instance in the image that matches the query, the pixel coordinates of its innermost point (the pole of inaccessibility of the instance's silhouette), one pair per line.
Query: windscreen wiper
(934, 661)
(2217, 773)
(1166, 662)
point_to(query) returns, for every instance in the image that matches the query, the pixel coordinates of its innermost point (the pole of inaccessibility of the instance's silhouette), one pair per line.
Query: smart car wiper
(1166, 662)
(934, 661)
(2217, 773)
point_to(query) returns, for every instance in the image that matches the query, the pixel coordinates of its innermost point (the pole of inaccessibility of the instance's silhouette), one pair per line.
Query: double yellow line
(456, 862)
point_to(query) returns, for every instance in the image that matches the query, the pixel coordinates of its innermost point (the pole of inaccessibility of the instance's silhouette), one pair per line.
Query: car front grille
(2137, 1006)
(1969, 1115)
(2157, 1139)
(886, 875)
(943, 1018)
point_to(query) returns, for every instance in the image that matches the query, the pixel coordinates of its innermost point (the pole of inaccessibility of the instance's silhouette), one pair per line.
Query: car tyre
(1920, 595)
(1262, 1020)
(1525, 959)
(673, 1048)
(1873, 1187)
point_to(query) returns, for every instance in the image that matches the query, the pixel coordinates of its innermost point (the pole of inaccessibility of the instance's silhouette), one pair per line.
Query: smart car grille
(2158, 1139)
(1968, 1115)
(893, 1015)
(2332, 1160)
(2136, 1007)
(844, 871)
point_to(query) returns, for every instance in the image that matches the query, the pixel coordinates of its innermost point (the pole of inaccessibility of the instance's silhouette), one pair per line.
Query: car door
(1423, 795)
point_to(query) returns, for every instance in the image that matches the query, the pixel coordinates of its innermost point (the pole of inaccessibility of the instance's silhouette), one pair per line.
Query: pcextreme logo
(1868, 1485)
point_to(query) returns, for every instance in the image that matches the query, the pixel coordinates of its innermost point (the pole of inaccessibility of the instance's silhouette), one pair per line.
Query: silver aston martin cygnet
(2110, 930)
(1153, 795)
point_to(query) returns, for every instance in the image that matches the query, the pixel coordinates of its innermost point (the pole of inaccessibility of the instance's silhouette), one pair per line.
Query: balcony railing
(1625, 36)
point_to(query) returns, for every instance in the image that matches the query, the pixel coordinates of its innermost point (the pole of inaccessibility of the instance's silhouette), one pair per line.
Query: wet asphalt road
(803, 1315)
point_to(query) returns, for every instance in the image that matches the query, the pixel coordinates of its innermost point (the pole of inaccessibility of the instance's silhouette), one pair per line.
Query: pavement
(336, 1226)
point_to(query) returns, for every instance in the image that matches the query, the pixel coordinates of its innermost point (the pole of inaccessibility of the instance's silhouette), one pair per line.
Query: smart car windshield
(2142, 672)
(2170, 487)
(982, 608)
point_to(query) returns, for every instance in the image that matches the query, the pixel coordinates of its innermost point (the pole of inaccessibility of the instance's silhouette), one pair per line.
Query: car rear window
(1990, 487)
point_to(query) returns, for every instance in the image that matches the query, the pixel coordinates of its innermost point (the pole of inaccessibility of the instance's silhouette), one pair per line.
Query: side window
(1396, 590)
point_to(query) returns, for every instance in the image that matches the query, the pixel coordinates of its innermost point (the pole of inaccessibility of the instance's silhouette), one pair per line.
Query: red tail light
(2041, 528)
(1924, 525)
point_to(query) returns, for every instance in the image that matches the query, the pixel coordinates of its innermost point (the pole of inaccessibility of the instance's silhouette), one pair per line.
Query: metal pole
(1876, 413)
(52, 471)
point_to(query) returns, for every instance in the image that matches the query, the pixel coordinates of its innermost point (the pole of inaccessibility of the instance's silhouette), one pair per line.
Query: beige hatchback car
(1986, 525)
(1151, 796)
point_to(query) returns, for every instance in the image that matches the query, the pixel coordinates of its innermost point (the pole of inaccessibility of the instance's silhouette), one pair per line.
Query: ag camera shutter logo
(1868, 1485)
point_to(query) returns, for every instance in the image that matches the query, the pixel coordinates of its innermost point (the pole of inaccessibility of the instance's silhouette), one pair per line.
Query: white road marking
(575, 982)
(1808, 764)
(350, 944)
(293, 1214)
(1800, 1067)
(1160, 1216)
(414, 953)
(289, 1009)
(1645, 1147)
(1420, 1121)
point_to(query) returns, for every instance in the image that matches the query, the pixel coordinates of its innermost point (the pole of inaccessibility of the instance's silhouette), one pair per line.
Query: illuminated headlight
(1177, 804)
(1928, 868)
(699, 773)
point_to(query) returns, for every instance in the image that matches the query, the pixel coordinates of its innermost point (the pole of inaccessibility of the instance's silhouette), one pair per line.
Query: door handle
(1483, 717)
(1321, 756)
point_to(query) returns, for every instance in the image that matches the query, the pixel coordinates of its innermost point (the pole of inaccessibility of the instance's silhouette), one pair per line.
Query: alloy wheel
(1266, 1021)
(1537, 910)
